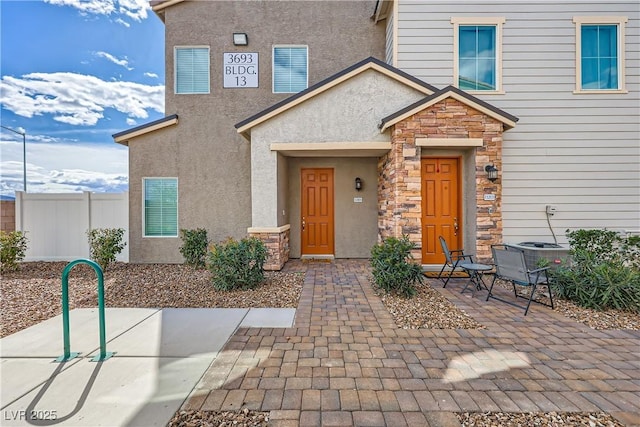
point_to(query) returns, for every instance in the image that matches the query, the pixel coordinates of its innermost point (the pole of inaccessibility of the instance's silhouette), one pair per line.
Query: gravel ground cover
(430, 309)
(242, 418)
(547, 419)
(426, 309)
(33, 293)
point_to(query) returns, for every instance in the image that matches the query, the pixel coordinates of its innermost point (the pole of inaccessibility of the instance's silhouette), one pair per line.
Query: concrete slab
(269, 318)
(45, 339)
(177, 332)
(123, 391)
(19, 376)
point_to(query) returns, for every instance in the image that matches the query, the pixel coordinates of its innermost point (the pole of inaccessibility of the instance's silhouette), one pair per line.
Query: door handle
(303, 223)
(455, 226)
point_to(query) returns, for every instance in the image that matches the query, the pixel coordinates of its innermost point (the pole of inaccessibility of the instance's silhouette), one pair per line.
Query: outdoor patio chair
(511, 267)
(452, 260)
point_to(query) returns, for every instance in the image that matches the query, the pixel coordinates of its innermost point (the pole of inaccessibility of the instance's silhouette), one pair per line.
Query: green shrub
(630, 251)
(603, 272)
(599, 243)
(13, 246)
(237, 264)
(394, 270)
(194, 247)
(105, 244)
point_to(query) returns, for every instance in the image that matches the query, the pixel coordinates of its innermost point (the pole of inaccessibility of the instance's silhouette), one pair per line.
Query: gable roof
(244, 127)
(449, 92)
(124, 136)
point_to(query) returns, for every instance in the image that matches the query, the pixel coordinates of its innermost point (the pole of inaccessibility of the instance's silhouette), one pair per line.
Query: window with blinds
(160, 207)
(290, 70)
(191, 70)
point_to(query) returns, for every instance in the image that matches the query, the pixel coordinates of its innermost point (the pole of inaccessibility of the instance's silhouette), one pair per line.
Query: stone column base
(276, 240)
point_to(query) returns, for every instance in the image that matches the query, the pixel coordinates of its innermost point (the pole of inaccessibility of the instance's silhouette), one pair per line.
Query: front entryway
(441, 213)
(317, 227)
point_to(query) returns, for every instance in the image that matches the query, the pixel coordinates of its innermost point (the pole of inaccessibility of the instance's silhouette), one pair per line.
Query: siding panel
(578, 152)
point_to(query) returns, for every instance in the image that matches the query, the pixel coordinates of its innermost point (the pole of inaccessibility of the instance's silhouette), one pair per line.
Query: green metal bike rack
(68, 355)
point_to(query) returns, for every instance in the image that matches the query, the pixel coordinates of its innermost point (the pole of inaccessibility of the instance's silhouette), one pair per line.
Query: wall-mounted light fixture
(358, 184)
(492, 172)
(240, 39)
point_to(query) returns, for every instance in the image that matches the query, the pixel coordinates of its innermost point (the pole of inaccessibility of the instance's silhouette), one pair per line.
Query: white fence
(57, 224)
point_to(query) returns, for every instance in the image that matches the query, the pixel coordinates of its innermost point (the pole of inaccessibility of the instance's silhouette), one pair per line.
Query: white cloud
(122, 62)
(134, 9)
(131, 121)
(122, 22)
(152, 75)
(64, 167)
(77, 99)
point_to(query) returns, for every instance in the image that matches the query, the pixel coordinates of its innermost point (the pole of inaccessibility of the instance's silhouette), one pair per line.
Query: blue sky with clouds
(72, 73)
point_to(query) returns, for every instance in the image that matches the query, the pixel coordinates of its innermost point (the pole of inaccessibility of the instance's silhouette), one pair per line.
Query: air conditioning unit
(533, 251)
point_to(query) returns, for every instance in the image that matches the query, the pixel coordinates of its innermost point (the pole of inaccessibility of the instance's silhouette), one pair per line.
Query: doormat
(434, 274)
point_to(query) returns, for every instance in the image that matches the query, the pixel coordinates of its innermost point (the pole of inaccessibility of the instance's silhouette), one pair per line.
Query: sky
(73, 73)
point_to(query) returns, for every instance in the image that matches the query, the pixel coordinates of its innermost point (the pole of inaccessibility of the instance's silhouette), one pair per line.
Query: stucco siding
(211, 161)
(578, 152)
(348, 112)
(151, 155)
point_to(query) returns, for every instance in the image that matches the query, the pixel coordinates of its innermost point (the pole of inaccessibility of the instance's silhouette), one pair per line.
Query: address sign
(240, 70)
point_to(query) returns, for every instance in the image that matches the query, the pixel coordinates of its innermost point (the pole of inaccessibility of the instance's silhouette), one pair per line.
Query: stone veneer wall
(399, 186)
(277, 243)
(399, 190)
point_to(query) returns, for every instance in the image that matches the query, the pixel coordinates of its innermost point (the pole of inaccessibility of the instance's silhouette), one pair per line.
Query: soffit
(332, 149)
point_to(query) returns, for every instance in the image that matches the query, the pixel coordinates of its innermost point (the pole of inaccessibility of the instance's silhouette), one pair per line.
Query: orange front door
(440, 208)
(317, 212)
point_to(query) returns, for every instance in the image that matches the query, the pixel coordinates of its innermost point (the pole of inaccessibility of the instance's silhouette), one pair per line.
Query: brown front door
(440, 208)
(317, 212)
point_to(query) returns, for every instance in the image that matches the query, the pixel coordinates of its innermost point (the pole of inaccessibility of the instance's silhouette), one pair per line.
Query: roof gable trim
(158, 5)
(455, 93)
(124, 136)
(370, 63)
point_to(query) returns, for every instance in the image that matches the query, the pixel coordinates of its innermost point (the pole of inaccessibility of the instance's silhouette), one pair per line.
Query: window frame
(144, 207)
(496, 22)
(175, 69)
(619, 22)
(273, 65)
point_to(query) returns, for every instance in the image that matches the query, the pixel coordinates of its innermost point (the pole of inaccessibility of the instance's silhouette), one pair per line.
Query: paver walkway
(345, 362)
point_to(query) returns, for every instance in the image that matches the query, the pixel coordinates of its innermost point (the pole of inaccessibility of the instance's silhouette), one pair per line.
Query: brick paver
(345, 362)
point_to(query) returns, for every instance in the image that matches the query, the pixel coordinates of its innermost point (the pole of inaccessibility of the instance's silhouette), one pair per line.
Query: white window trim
(468, 20)
(175, 68)
(144, 228)
(620, 21)
(273, 65)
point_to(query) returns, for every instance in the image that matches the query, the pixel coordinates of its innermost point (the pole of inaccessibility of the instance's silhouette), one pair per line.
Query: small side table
(476, 271)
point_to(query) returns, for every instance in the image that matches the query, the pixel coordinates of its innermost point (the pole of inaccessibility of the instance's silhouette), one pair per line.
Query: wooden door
(440, 208)
(317, 225)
